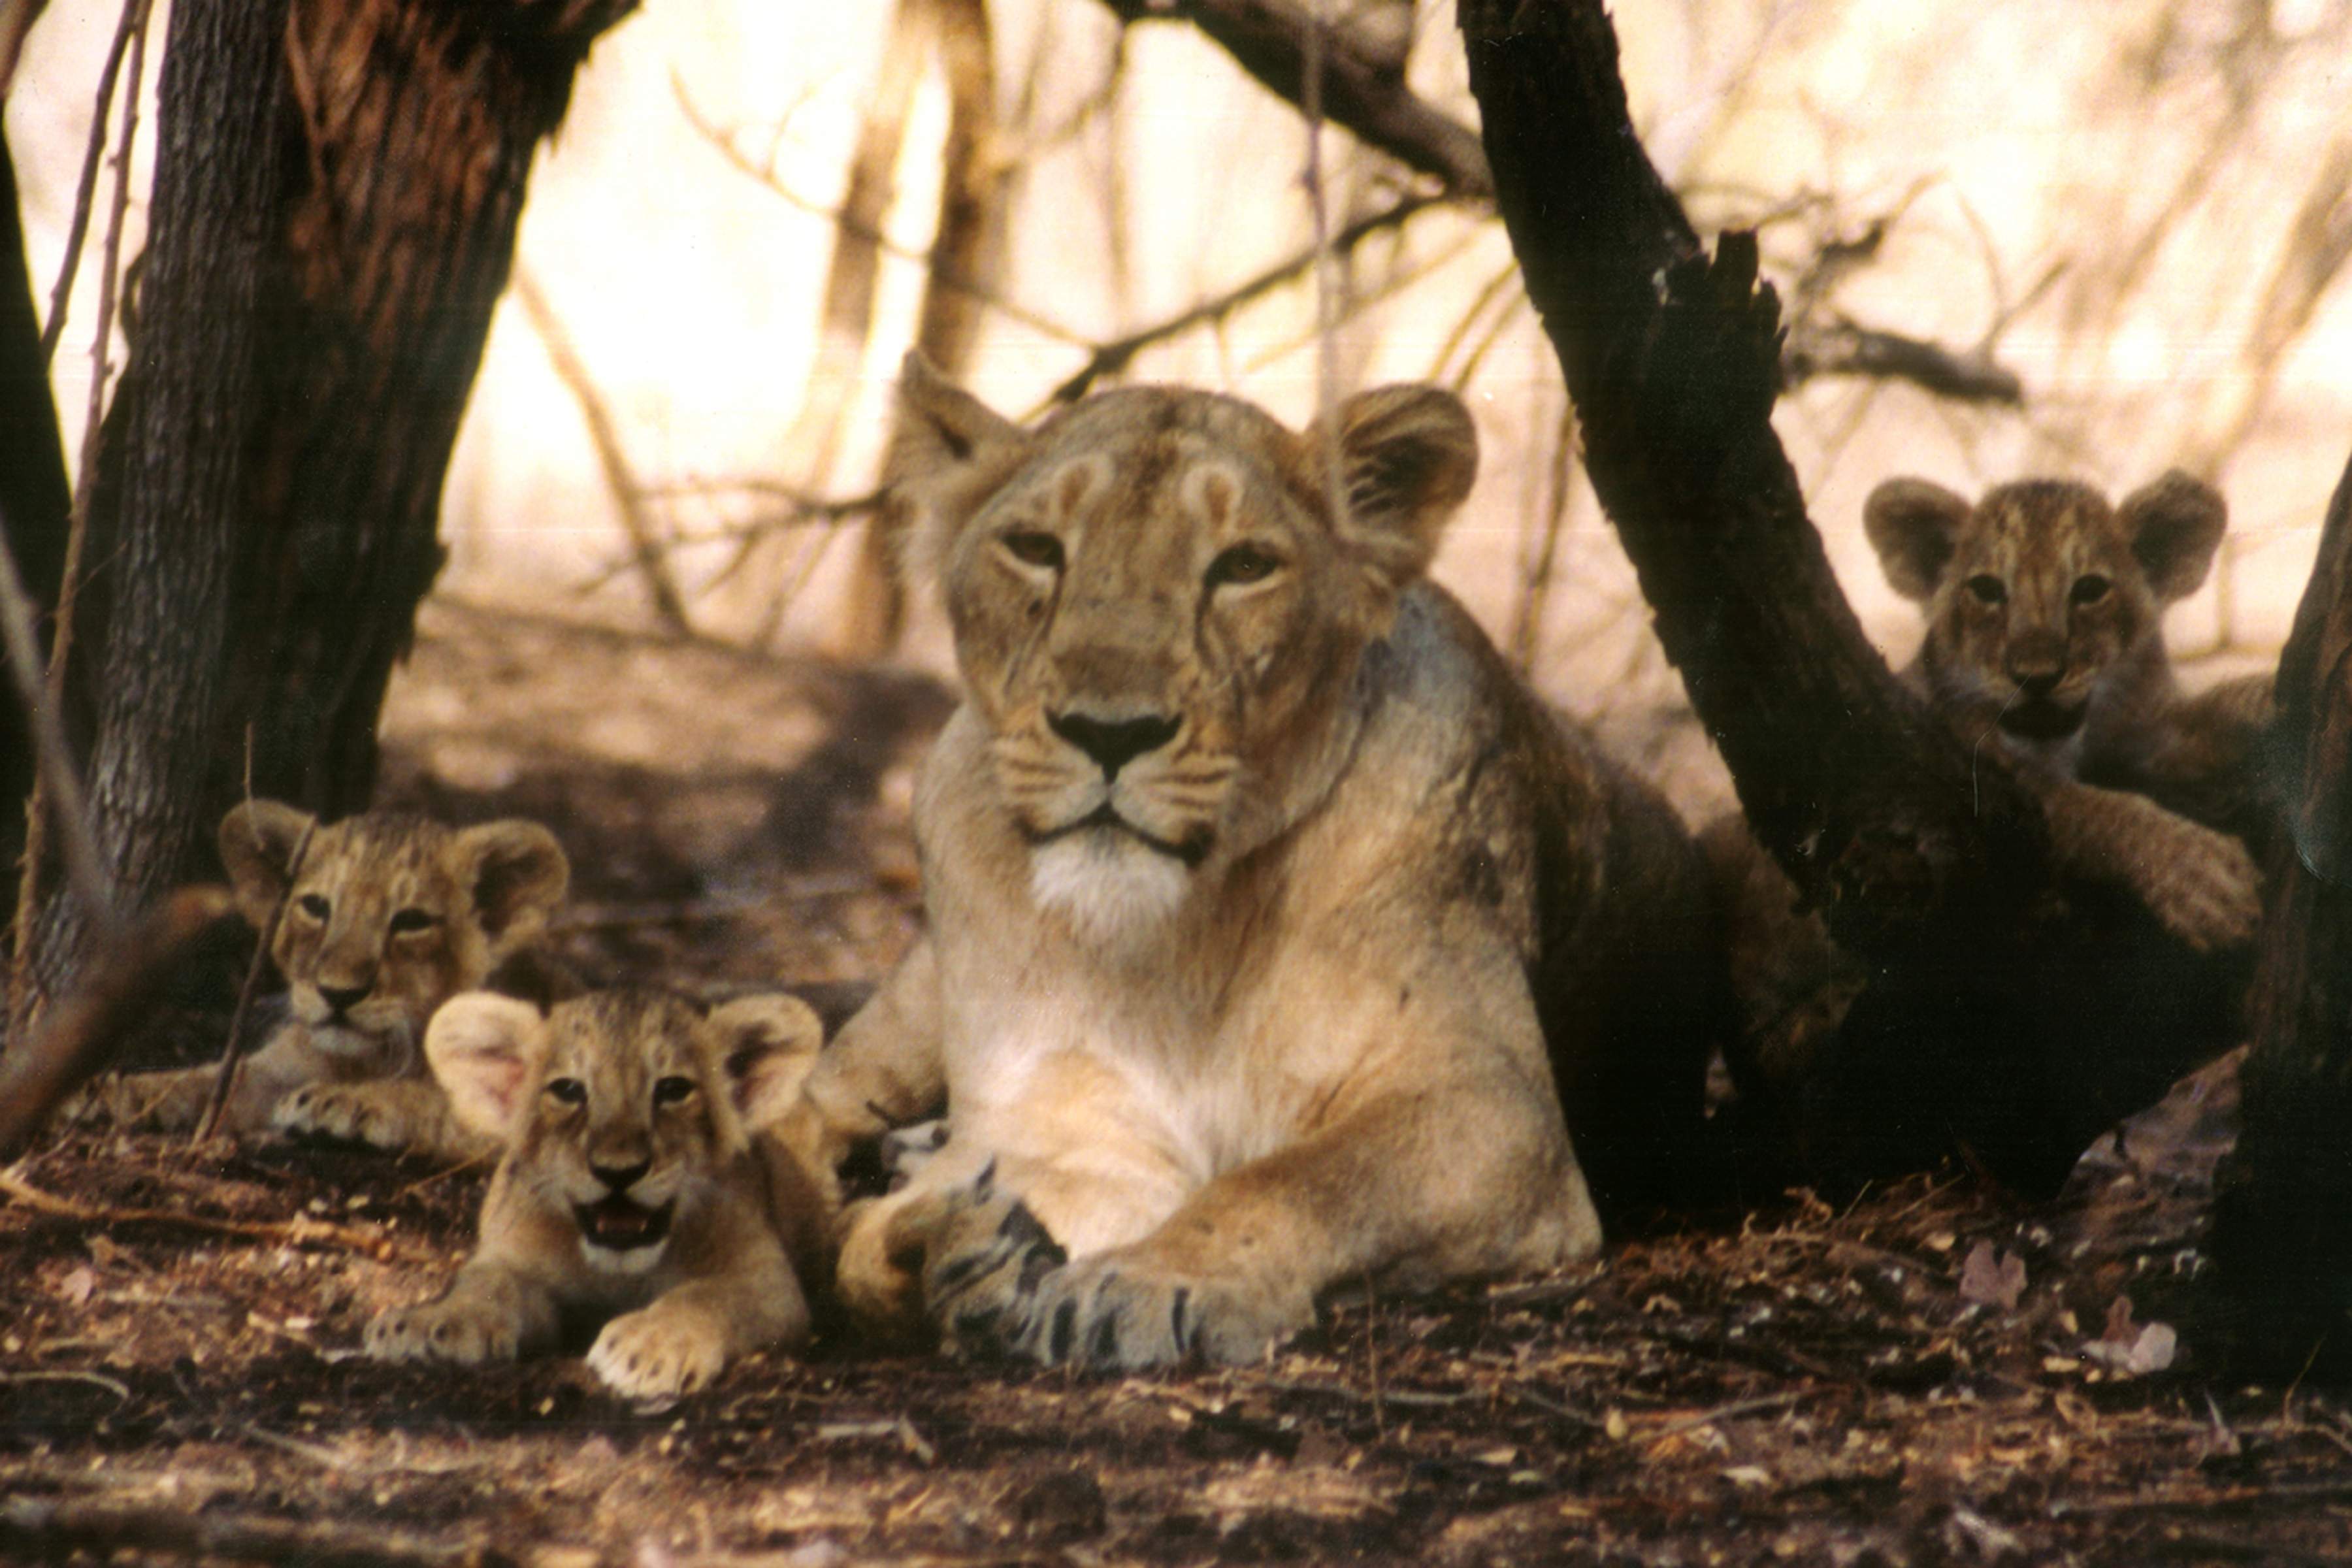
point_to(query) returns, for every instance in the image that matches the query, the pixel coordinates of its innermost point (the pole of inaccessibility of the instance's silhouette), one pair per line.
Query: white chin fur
(1111, 888)
(635, 1261)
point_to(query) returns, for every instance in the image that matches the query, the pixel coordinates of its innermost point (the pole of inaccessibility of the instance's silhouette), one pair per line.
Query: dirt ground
(1924, 1376)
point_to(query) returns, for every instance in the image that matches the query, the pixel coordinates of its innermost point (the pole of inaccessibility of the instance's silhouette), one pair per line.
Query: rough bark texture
(2283, 1226)
(2004, 1010)
(1673, 360)
(34, 497)
(336, 199)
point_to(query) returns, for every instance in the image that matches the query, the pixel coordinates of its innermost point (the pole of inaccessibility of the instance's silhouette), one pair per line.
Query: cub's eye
(1988, 589)
(673, 1090)
(1244, 563)
(2089, 590)
(314, 906)
(406, 922)
(567, 1090)
(1031, 548)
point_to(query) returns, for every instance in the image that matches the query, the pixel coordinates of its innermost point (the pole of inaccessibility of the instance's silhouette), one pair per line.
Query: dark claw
(957, 1272)
(1183, 1298)
(1064, 1330)
(1102, 1345)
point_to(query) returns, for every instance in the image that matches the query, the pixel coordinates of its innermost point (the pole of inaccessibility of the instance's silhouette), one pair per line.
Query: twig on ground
(120, 1390)
(233, 1055)
(83, 1028)
(1756, 1406)
(302, 1230)
(47, 1529)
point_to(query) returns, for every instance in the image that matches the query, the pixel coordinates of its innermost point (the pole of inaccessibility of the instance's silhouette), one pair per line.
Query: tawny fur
(388, 915)
(1271, 920)
(637, 1189)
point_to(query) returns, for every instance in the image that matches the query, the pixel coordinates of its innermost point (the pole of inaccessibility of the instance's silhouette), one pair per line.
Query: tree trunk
(336, 200)
(2282, 1220)
(2003, 1009)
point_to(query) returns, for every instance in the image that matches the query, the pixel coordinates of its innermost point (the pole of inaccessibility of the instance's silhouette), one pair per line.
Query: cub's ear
(518, 875)
(766, 1046)
(256, 846)
(1407, 457)
(2175, 524)
(1914, 525)
(486, 1052)
(949, 451)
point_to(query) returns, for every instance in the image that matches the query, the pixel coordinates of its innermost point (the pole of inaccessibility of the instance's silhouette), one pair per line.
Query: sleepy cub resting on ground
(2044, 652)
(387, 916)
(1272, 922)
(635, 1190)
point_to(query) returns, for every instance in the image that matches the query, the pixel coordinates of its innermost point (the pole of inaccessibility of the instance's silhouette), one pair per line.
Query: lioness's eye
(2089, 590)
(1988, 589)
(1031, 548)
(314, 906)
(1244, 563)
(671, 1091)
(408, 920)
(568, 1090)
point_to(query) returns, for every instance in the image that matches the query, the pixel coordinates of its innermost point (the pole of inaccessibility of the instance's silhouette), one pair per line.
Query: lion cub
(387, 916)
(2044, 652)
(635, 1189)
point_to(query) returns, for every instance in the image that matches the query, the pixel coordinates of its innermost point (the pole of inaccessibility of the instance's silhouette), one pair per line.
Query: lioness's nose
(620, 1178)
(1114, 743)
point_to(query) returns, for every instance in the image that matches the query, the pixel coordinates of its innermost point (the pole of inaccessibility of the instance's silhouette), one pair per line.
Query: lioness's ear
(766, 1046)
(486, 1052)
(1914, 525)
(518, 875)
(256, 846)
(1407, 455)
(948, 452)
(2175, 524)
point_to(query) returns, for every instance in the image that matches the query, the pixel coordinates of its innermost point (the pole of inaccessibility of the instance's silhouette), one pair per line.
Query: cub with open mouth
(637, 1190)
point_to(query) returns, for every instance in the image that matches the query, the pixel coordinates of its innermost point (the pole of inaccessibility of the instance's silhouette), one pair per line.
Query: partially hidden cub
(386, 916)
(2044, 653)
(635, 1190)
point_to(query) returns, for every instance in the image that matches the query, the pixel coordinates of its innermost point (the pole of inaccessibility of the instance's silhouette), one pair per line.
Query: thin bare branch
(644, 547)
(17, 19)
(1111, 358)
(233, 1056)
(1360, 87)
(1839, 347)
(134, 20)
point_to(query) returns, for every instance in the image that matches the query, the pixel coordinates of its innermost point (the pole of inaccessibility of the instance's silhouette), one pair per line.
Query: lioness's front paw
(454, 1329)
(338, 1113)
(651, 1353)
(998, 1284)
(2205, 887)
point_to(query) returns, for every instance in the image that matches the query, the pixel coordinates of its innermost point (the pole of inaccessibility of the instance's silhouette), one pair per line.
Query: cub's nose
(620, 1178)
(2036, 663)
(342, 999)
(1114, 743)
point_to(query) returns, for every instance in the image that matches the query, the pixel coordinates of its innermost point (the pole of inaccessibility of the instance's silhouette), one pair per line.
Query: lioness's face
(387, 915)
(1160, 618)
(2038, 598)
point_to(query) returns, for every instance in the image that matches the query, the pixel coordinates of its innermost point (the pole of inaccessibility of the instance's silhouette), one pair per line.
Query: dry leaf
(1992, 1278)
(76, 1286)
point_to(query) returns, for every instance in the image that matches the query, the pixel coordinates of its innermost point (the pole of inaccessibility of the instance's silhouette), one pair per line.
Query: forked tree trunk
(336, 200)
(1931, 866)
(2282, 1225)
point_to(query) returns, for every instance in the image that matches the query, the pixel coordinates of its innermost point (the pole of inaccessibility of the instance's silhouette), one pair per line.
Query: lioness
(387, 916)
(635, 1189)
(1272, 922)
(2044, 652)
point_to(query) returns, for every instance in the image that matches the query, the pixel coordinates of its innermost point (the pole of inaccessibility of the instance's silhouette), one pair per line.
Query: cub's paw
(1117, 1312)
(456, 1329)
(338, 1113)
(150, 1101)
(652, 1354)
(2204, 887)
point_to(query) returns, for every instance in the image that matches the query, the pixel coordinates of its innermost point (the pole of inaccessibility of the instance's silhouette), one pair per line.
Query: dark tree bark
(336, 200)
(2283, 1222)
(34, 497)
(2006, 1009)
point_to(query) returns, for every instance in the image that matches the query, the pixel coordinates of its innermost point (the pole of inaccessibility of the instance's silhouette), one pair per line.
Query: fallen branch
(302, 1230)
(50, 1529)
(81, 1033)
